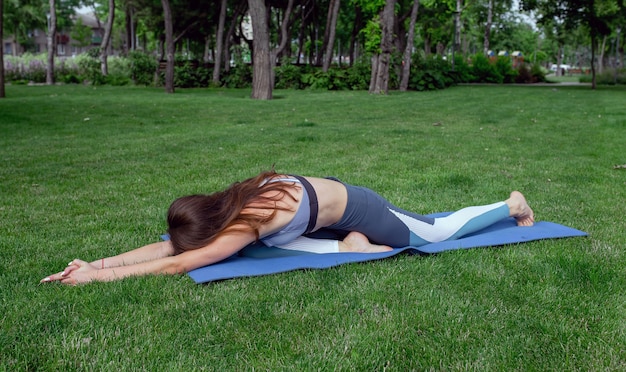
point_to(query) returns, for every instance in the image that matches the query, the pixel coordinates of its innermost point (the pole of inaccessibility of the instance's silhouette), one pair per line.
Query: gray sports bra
(303, 221)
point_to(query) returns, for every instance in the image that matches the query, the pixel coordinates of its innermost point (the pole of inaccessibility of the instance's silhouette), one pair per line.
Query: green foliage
(372, 32)
(538, 73)
(32, 68)
(239, 76)
(288, 76)
(66, 71)
(462, 70)
(189, 74)
(89, 67)
(28, 68)
(359, 75)
(142, 68)
(430, 73)
(484, 71)
(119, 71)
(333, 79)
(523, 75)
(539, 56)
(369, 6)
(505, 69)
(608, 77)
(530, 74)
(80, 33)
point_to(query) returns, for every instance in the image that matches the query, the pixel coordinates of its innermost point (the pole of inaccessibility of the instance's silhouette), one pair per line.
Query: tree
(220, 43)
(262, 66)
(21, 17)
(52, 30)
(235, 21)
(106, 39)
(2, 92)
(488, 27)
(408, 50)
(435, 24)
(81, 34)
(331, 31)
(380, 62)
(594, 15)
(169, 46)
(264, 58)
(284, 38)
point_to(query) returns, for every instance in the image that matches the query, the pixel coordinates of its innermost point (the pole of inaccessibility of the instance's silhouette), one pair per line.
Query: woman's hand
(76, 272)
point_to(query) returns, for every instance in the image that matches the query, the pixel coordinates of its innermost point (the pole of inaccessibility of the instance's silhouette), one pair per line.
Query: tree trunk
(52, 31)
(594, 42)
(2, 92)
(374, 73)
(456, 44)
(217, 61)
(131, 38)
(284, 39)
(333, 13)
(300, 39)
(601, 56)
(408, 50)
(127, 25)
(380, 64)
(262, 65)
(358, 16)
(319, 57)
(106, 39)
(305, 11)
(488, 27)
(559, 60)
(169, 46)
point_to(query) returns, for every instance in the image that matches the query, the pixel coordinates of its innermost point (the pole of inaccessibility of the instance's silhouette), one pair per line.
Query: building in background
(86, 33)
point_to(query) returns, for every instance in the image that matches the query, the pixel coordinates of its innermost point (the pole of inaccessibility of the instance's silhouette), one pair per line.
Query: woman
(278, 210)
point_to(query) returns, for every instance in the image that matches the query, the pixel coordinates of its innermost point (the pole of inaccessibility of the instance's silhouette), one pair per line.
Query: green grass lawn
(89, 172)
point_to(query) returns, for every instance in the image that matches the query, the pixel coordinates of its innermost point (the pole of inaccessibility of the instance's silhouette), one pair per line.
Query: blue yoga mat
(501, 233)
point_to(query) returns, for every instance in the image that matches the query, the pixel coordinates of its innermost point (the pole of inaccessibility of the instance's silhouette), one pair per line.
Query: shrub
(430, 73)
(333, 79)
(239, 76)
(523, 75)
(358, 76)
(462, 70)
(119, 71)
(28, 67)
(188, 75)
(12, 66)
(609, 77)
(89, 67)
(504, 68)
(32, 68)
(142, 68)
(288, 76)
(36, 71)
(538, 73)
(484, 71)
(66, 71)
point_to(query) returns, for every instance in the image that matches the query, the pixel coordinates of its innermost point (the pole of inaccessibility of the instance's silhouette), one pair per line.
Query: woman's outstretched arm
(145, 261)
(148, 252)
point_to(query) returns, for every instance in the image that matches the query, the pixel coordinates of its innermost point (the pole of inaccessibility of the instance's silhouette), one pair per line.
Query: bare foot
(357, 242)
(520, 209)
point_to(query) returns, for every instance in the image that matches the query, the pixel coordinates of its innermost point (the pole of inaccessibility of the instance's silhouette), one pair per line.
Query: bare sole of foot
(357, 242)
(520, 209)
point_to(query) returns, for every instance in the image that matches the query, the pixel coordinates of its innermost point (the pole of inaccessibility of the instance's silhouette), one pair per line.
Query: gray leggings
(383, 223)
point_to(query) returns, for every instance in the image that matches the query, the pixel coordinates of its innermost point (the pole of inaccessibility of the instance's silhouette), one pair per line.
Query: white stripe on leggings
(311, 245)
(445, 227)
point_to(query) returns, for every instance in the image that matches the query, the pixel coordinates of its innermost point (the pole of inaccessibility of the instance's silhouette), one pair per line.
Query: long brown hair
(196, 220)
